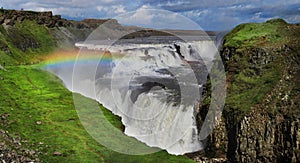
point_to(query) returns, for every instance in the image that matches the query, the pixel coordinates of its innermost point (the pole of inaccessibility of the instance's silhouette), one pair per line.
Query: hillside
(27, 35)
(260, 120)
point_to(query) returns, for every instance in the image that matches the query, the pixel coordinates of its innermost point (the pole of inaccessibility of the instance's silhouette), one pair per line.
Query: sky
(214, 15)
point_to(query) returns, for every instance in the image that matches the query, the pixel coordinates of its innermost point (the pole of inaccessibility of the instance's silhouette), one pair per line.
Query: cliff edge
(261, 117)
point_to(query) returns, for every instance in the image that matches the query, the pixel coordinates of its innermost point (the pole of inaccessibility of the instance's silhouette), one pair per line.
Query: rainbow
(69, 58)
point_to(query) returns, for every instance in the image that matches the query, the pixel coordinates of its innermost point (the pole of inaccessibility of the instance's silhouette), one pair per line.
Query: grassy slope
(30, 96)
(257, 34)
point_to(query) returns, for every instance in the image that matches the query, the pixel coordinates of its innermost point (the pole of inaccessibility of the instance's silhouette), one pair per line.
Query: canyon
(260, 121)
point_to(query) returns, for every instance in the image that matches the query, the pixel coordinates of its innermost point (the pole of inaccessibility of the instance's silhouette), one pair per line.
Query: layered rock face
(261, 117)
(10, 17)
(268, 139)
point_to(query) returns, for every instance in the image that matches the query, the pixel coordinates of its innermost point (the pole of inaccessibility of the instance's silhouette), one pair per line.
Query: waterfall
(154, 88)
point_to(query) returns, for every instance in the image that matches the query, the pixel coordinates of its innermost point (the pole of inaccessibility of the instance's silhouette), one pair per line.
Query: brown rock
(47, 13)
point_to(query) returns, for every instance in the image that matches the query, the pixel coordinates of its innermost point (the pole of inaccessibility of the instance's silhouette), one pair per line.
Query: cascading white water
(154, 88)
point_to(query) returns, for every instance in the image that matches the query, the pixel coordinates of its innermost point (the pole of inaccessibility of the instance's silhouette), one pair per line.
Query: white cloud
(294, 18)
(118, 9)
(107, 1)
(142, 16)
(145, 16)
(218, 14)
(196, 13)
(257, 16)
(240, 7)
(172, 3)
(112, 10)
(100, 8)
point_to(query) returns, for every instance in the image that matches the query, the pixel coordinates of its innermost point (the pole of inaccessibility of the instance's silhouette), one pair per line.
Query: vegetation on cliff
(24, 42)
(258, 56)
(261, 116)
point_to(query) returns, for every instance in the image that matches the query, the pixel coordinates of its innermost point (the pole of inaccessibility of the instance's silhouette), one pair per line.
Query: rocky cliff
(11, 17)
(66, 32)
(25, 35)
(260, 121)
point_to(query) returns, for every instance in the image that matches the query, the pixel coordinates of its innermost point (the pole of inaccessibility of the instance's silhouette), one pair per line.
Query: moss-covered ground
(262, 55)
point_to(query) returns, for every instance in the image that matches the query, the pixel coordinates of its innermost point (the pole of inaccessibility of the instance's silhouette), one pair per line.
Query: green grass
(30, 95)
(253, 34)
(249, 82)
(247, 88)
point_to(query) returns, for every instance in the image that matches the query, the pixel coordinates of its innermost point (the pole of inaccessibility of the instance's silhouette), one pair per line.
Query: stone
(56, 153)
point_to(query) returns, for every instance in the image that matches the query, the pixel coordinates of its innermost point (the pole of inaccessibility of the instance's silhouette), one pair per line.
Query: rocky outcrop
(260, 121)
(265, 138)
(270, 131)
(10, 17)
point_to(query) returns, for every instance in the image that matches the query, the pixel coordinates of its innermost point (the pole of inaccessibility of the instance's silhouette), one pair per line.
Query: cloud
(119, 9)
(112, 10)
(156, 18)
(228, 16)
(188, 5)
(107, 1)
(142, 16)
(197, 13)
(211, 15)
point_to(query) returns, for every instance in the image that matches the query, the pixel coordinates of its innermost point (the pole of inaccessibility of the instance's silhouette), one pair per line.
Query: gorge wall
(260, 120)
